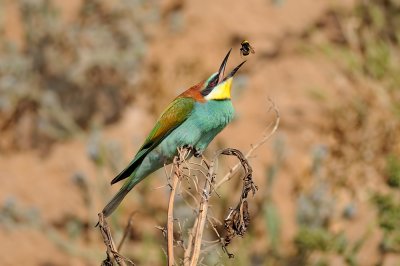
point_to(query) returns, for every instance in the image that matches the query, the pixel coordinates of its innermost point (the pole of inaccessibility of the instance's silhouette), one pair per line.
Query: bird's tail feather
(116, 200)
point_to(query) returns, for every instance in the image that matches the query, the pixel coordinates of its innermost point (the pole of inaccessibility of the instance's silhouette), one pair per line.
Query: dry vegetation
(328, 180)
(68, 77)
(202, 176)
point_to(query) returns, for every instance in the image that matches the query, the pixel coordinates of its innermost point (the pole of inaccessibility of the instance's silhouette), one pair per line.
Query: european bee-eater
(192, 120)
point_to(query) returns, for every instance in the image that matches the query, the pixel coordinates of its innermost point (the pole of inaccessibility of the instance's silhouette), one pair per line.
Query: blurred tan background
(82, 82)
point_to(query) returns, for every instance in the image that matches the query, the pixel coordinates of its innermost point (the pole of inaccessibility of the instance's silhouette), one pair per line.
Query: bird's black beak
(221, 71)
(233, 72)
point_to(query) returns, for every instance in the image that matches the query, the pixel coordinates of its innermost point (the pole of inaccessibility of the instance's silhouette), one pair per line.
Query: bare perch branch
(188, 250)
(202, 213)
(110, 244)
(170, 223)
(238, 219)
(177, 164)
(235, 223)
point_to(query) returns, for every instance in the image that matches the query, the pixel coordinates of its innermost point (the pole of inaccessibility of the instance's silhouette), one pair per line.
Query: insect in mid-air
(246, 48)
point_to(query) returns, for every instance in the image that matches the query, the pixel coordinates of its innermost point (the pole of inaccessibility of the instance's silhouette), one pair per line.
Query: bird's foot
(197, 153)
(188, 147)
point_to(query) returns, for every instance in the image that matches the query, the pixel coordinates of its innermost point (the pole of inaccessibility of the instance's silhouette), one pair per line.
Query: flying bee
(246, 48)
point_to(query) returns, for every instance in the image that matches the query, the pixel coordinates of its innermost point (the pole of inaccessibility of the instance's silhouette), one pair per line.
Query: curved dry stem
(254, 147)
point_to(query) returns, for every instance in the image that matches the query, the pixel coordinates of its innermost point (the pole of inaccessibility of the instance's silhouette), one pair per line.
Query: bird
(191, 120)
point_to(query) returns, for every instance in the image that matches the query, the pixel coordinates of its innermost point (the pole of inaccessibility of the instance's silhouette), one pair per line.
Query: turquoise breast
(212, 117)
(203, 124)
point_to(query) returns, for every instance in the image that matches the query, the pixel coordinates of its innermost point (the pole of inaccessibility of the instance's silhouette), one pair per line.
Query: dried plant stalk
(236, 222)
(110, 244)
(188, 249)
(177, 164)
(170, 223)
(127, 230)
(238, 219)
(202, 216)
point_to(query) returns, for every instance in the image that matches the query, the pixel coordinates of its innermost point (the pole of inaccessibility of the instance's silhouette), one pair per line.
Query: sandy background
(329, 162)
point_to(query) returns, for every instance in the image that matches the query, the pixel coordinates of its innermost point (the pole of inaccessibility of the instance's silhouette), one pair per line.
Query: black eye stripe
(213, 82)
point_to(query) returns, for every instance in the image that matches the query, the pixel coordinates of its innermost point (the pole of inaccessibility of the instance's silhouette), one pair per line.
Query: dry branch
(188, 250)
(236, 222)
(170, 223)
(177, 164)
(202, 216)
(238, 219)
(110, 244)
(127, 230)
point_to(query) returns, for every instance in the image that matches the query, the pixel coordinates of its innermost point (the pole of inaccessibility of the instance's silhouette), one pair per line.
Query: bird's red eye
(213, 83)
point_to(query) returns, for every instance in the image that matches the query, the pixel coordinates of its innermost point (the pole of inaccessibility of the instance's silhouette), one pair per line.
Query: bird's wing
(175, 114)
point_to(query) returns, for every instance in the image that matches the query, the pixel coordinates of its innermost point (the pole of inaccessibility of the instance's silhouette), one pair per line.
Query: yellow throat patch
(221, 92)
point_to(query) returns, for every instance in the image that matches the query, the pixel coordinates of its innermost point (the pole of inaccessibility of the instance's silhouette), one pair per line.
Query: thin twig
(214, 228)
(254, 147)
(110, 244)
(163, 231)
(192, 196)
(127, 230)
(238, 219)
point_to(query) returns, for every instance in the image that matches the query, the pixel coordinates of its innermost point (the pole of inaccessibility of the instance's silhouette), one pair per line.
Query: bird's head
(218, 87)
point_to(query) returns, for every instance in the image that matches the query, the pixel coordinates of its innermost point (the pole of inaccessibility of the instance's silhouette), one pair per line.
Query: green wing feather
(175, 114)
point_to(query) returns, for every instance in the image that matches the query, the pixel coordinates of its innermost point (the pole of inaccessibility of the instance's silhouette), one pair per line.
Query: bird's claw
(188, 147)
(196, 153)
